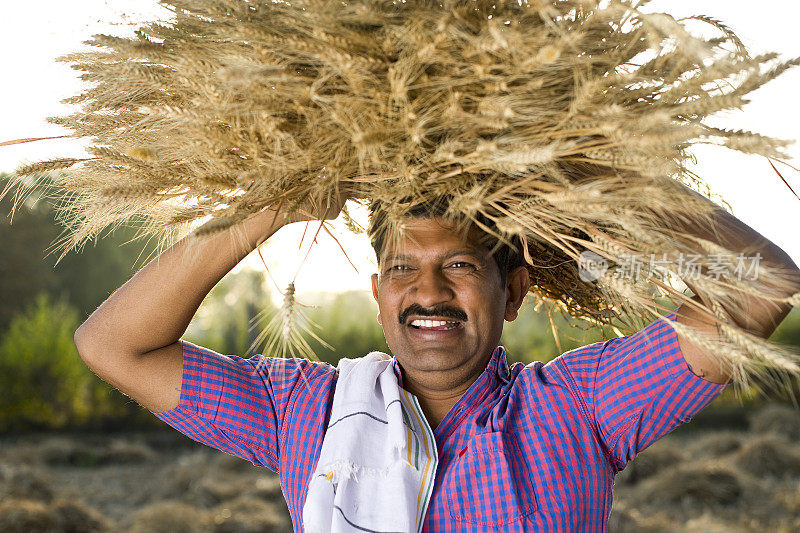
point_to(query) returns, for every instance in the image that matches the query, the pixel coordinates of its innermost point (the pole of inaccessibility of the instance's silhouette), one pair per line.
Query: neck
(436, 404)
(438, 394)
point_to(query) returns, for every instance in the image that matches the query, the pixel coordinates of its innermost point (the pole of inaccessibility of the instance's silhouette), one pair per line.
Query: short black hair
(506, 256)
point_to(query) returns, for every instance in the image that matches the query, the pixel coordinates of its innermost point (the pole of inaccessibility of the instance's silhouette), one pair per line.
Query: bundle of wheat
(566, 123)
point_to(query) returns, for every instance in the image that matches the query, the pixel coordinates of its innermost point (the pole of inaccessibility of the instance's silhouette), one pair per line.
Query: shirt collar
(498, 366)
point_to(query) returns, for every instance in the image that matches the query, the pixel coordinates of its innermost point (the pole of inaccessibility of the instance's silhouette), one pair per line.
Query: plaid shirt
(527, 448)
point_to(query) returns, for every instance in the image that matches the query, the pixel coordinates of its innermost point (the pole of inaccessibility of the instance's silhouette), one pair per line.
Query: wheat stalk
(284, 333)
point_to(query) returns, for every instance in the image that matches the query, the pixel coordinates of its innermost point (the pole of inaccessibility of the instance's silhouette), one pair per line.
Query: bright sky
(32, 34)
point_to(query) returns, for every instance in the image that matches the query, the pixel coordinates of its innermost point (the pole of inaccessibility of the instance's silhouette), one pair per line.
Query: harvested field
(698, 479)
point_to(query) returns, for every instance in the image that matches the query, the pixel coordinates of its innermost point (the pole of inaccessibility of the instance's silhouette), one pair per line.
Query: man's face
(440, 298)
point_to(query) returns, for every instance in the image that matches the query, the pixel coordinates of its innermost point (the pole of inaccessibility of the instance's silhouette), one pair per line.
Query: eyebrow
(448, 255)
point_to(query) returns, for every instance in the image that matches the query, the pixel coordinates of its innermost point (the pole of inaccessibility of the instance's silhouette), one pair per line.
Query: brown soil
(705, 480)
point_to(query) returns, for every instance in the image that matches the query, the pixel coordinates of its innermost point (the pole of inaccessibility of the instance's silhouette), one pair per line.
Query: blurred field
(701, 478)
(157, 481)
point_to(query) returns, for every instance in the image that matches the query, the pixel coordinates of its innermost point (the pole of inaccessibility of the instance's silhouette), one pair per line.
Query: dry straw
(567, 123)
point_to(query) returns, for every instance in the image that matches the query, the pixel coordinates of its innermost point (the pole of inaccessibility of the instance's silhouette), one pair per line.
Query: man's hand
(266, 222)
(323, 207)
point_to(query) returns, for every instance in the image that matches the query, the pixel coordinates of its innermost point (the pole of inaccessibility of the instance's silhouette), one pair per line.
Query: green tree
(84, 278)
(23, 273)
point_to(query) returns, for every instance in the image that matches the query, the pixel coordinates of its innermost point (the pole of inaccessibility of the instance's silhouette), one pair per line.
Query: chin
(432, 359)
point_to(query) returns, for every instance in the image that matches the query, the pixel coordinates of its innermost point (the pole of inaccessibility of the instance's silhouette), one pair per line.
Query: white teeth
(431, 323)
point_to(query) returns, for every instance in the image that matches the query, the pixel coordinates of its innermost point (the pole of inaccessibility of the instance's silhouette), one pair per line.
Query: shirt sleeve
(635, 389)
(239, 405)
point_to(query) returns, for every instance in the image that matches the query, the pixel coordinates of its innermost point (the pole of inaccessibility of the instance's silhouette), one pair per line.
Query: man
(525, 448)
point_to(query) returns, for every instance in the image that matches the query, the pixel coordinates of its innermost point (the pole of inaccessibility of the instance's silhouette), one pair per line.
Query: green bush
(43, 380)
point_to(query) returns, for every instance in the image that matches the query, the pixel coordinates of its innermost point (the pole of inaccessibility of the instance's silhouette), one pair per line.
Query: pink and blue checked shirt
(527, 448)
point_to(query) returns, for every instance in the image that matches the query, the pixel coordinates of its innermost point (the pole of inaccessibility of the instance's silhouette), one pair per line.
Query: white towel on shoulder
(378, 459)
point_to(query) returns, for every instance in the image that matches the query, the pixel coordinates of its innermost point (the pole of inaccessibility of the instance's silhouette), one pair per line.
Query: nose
(431, 287)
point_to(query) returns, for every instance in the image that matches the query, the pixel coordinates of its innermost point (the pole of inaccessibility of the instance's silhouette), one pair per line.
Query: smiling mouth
(434, 325)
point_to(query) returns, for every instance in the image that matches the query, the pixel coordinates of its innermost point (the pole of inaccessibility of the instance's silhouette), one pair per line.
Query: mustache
(438, 311)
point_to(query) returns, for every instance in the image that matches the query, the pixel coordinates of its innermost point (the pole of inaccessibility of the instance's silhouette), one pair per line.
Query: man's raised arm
(131, 340)
(762, 316)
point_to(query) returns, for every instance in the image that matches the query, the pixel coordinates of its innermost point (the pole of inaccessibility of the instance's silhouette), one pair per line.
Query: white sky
(32, 34)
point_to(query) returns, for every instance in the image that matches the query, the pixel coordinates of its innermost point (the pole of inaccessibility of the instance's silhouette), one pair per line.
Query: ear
(518, 282)
(374, 278)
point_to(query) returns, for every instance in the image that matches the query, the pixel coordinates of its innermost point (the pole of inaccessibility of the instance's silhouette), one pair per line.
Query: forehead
(431, 236)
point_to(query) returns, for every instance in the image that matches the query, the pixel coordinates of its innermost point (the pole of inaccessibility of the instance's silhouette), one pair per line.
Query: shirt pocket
(489, 483)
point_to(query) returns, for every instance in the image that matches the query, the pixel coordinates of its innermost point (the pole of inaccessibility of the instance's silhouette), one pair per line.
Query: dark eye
(461, 264)
(397, 268)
